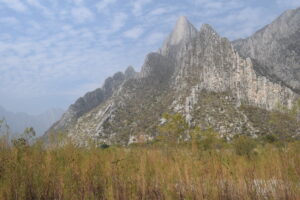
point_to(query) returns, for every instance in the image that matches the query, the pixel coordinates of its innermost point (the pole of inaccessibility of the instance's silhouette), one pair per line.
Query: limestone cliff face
(276, 49)
(197, 73)
(183, 32)
(209, 62)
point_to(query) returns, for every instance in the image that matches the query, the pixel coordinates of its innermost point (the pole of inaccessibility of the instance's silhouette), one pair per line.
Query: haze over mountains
(19, 121)
(231, 87)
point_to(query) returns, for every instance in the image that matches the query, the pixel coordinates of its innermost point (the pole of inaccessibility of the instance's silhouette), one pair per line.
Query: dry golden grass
(149, 172)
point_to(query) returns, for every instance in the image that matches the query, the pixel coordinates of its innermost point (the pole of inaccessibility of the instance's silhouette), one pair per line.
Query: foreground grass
(149, 172)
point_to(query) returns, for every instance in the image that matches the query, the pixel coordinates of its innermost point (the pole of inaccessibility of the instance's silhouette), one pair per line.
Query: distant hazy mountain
(19, 121)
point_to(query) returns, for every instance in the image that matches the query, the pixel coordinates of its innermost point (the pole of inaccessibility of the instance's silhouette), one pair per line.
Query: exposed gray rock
(89, 101)
(210, 62)
(275, 49)
(130, 73)
(197, 73)
(156, 66)
(183, 32)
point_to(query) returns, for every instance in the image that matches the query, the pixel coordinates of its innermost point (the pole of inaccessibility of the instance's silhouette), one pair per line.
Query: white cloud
(15, 4)
(134, 33)
(77, 2)
(288, 3)
(138, 6)
(118, 21)
(155, 38)
(209, 4)
(34, 26)
(243, 23)
(206, 8)
(82, 14)
(40, 7)
(35, 3)
(104, 4)
(244, 15)
(29, 66)
(159, 11)
(9, 20)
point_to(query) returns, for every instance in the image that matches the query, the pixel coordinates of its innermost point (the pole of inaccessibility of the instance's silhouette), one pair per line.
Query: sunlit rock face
(183, 32)
(276, 49)
(210, 62)
(197, 73)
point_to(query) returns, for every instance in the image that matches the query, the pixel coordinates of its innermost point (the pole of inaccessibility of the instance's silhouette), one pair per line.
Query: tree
(175, 128)
(244, 145)
(210, 140)
(29, 133)
(25, 138)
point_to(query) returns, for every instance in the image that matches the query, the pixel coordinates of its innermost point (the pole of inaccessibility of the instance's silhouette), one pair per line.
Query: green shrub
(244, 145)
(104, 146)
(270, 138)
(210, 140)
(174, 129)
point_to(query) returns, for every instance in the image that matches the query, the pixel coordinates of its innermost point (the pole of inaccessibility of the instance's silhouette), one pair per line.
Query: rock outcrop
(210, 62)
(196, 73)
(184, 31)
(91, 100)
(276, 49)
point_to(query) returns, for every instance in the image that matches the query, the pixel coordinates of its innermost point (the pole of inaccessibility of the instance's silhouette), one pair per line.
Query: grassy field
(208, 169)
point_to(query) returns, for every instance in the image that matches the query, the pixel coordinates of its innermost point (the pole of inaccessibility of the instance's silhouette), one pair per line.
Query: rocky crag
(276, 49)
(213, 82)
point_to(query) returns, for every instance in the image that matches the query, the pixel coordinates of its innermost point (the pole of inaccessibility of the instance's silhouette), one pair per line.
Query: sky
(54, 51)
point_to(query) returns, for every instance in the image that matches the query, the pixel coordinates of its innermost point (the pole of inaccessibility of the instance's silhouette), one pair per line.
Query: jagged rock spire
(208, 34)
(206, 28)
(129, 72)
(183, 31)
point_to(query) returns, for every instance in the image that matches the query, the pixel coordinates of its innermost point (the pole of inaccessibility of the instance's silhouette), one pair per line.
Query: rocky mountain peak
(208, 35)
(280, 40)
(130, 72)
(182, 32)
(208, 29)
(114, 81)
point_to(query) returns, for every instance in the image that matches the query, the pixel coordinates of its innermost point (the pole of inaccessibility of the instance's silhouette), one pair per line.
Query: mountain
(19, 121)
(196, 73)
(92, 99)
(276, 49)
